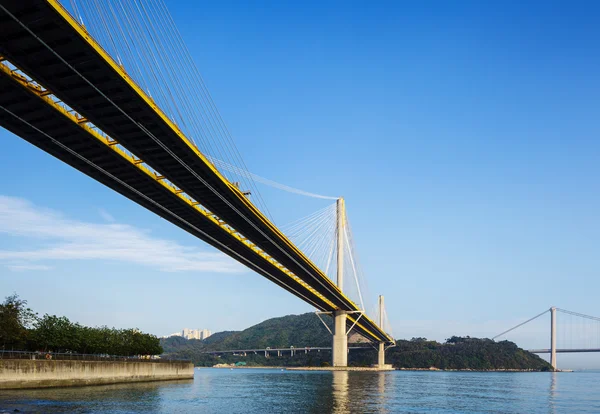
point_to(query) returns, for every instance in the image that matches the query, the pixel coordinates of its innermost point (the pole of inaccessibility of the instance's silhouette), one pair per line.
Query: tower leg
(381, 352)
(339, 348)
(381, 355)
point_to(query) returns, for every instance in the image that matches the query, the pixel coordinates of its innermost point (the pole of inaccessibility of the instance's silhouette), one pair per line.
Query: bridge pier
(339, 348)
(381, 355)
(381, 350)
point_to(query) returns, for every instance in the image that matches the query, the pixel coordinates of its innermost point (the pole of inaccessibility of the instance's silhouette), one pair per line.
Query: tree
(15, 319)
(56, 333)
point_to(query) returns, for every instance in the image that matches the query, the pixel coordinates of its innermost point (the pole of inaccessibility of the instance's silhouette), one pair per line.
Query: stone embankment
(29, 373)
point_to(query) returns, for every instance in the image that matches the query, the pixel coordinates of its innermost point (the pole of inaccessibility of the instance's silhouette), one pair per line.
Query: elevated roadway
(143, 155)
(305, 349)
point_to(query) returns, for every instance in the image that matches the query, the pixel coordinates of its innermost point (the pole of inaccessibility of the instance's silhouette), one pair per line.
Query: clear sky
(463, 135)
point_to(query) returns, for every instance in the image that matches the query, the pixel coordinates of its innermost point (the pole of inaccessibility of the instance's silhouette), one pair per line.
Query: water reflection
(362, 391)
(340, 391)
(144, 396)
(381, 379)
(266, 391)
(553, 392)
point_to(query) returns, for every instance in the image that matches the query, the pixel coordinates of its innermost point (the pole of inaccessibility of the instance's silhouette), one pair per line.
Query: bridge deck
(262, 350)
(37, 119)
(44, 41)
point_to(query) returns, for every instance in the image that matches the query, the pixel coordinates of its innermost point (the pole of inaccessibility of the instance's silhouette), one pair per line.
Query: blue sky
(463, 137)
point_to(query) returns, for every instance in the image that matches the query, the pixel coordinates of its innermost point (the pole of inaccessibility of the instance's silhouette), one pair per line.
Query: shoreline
(374, 369)
(241, 367)
(474, 370)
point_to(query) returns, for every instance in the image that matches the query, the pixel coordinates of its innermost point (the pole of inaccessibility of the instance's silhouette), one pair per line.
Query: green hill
(292, 330)
(307, 330)
(464, 353)
(283, 332)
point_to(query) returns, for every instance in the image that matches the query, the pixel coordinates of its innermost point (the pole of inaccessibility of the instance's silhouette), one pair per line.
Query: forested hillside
(307, 330)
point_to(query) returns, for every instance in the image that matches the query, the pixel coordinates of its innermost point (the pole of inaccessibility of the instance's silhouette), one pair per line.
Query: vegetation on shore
(460, 353)
(456, 353)
(22, 329)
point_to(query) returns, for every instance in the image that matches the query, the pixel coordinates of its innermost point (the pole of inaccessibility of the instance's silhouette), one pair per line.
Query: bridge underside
(44, 126)
(42, 40)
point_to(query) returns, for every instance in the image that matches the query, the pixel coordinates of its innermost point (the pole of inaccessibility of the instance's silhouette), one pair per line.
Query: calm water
(276, 391)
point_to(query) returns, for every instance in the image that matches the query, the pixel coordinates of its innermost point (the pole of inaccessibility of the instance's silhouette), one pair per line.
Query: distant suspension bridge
(570, 332)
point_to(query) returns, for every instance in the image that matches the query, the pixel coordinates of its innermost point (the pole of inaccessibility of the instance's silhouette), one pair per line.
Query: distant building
(173, 334)
(188, 333)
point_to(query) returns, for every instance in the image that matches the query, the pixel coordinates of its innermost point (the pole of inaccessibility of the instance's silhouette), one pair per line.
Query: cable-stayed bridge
(570, 332)
(110, 89)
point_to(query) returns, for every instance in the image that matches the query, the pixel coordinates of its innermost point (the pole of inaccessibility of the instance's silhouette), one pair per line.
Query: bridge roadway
(265, 350)
(575, 350)
(41, 39)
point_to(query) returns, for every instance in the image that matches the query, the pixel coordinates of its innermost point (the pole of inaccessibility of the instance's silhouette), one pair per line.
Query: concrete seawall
(24, 373)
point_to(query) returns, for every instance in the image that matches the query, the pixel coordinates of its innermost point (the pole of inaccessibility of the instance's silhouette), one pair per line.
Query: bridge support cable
(581, 315)
(149, 46)
(359, 289)
(383, 319)
(257, 178)
(317, 236)
(521, 324)
(577, 331)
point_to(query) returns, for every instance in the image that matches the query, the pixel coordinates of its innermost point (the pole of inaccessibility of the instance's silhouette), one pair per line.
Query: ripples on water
(276, 391)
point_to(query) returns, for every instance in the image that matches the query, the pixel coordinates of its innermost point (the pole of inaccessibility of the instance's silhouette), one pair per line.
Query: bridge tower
(553, 337)
(339, 348)
(381, 351)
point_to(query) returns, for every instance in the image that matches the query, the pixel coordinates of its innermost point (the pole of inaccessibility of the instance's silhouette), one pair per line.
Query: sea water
(277, 391)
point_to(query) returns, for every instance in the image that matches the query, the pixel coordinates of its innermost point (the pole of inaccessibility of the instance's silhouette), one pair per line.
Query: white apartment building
(188, 333)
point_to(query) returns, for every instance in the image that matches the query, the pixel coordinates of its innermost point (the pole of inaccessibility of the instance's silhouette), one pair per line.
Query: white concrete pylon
(339, 347)
(381, 351)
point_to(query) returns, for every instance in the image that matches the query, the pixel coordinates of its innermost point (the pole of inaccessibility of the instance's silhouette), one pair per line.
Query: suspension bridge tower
(553, 337)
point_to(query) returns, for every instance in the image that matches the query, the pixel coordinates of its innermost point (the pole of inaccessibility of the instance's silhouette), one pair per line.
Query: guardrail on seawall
(68, 356)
